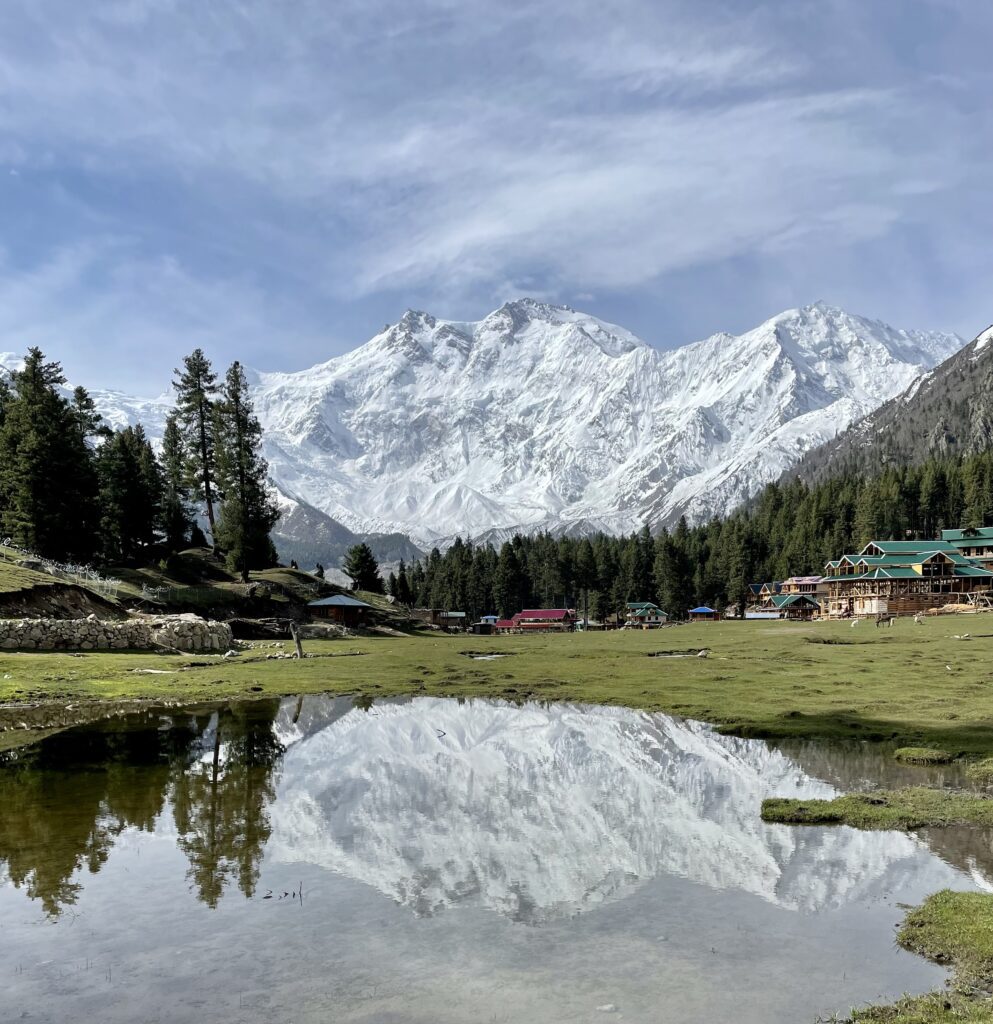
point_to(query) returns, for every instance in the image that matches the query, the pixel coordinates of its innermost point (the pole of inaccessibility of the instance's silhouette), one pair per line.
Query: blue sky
(277, 180)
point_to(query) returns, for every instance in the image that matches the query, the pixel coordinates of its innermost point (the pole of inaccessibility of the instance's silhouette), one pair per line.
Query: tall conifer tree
(196, 391)
(248, 509)
(47, 476)
(176, 520)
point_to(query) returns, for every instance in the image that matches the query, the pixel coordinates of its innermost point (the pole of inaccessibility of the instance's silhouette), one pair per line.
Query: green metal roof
(898, 547)
(897, 572)
(968, 536)
(633, 605)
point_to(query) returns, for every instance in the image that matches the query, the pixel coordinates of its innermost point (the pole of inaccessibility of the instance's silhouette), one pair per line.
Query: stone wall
(177, 632)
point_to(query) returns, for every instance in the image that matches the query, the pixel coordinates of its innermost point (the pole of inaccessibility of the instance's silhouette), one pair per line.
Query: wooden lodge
(644, 615)
(974, 542)
(904, 577)
(342, 609)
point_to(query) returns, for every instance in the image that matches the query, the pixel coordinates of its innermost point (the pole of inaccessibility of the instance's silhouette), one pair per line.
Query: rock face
(178, 632)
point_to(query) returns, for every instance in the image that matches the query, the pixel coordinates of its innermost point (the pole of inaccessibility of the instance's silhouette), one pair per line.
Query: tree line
(790, 528)
(74, 489)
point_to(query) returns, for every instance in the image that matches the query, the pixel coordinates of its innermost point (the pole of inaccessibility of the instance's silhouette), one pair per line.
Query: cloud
(103, 300)
(321, 165)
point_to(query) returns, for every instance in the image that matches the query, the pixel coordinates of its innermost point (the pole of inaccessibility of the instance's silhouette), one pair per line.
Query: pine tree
(508, 582)
(403, 594)
(130, 492)
(360, 564)
(248, 510)
(176, 519)
(48, 481)
(196, 389)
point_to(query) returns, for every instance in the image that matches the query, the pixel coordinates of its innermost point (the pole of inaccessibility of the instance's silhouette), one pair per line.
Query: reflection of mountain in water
(540, 812)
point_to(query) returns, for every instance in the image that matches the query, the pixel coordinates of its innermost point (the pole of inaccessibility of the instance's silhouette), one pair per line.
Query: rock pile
(178, 632)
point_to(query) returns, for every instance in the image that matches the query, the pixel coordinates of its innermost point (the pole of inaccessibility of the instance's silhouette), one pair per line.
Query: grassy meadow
(914, 684)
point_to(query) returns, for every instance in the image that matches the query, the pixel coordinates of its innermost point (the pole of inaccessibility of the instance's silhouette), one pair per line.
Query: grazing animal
(855, 623)
(885, 620)
(919, 618)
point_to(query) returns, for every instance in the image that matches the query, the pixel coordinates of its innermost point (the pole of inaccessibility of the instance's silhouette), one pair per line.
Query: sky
(276, 180)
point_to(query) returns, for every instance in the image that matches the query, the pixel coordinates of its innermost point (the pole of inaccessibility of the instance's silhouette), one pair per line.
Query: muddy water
(446, 861)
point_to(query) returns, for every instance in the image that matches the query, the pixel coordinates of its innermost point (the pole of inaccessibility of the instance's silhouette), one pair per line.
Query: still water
(436, 860)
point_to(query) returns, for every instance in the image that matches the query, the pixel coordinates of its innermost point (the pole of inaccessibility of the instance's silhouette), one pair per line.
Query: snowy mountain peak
(542, 417)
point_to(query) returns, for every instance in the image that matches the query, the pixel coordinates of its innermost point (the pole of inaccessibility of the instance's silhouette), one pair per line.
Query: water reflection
(544, 812)
(66, 799)
(462, 860)
(537, 813)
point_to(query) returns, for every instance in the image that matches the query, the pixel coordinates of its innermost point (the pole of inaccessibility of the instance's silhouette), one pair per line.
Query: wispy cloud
(284, 169)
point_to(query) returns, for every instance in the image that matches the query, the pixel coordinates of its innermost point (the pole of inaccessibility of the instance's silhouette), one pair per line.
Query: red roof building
(545, 619)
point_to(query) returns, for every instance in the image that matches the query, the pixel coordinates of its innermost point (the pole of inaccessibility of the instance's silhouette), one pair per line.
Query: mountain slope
(945, 411)
(539, 417)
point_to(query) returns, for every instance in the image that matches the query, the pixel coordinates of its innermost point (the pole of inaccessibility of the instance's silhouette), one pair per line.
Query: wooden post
(295, 633)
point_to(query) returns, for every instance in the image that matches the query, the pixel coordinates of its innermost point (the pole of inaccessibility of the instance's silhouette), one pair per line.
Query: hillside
(945, 412)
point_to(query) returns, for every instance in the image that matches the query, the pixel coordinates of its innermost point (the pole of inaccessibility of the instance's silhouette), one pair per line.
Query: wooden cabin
(545, 620)
(645, 614)
(342, 609)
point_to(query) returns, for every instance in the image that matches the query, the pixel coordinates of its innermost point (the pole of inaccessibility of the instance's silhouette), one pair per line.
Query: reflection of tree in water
(220, 804)
(65, 800)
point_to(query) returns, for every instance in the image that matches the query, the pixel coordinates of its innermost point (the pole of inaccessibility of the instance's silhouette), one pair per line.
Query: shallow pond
(437, 860)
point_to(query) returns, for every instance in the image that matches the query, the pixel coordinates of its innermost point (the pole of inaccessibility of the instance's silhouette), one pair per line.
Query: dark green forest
(74, 490)
(789, 529)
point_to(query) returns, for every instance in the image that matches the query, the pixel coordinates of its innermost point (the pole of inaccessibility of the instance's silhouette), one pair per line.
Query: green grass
(923, 755)
(15, 578)
(954, 928)
(981, 771)
(913, 807)
(761, 678)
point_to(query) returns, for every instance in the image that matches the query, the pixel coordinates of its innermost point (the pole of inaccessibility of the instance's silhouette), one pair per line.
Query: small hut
(703, 614)
(340, 608)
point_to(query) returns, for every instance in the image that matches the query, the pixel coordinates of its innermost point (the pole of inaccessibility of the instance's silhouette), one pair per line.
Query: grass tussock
(981, 771)
(913, 807)
(953, 928)
(923, 755)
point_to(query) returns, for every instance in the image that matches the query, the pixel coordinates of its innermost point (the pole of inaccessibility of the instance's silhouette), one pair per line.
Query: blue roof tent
(703, 610)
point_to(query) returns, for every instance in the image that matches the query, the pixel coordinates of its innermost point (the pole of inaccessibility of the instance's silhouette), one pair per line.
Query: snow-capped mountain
(541, 417)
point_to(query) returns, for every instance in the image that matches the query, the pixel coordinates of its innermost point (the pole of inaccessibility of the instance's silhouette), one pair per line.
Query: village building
(703, 614)
(805, 586)
(974, 542)
(645, 614)
(546, 620)
(439, 617)
(342, 609)
(905, 577)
